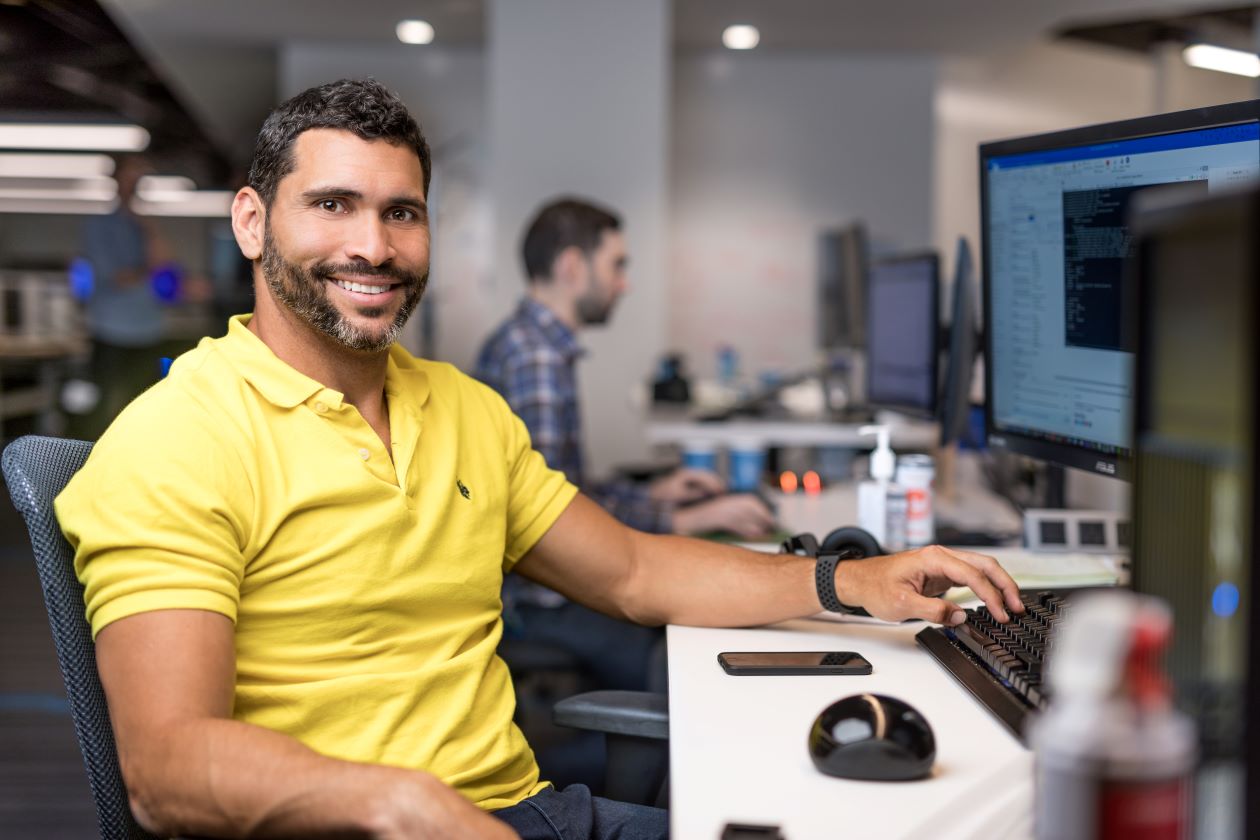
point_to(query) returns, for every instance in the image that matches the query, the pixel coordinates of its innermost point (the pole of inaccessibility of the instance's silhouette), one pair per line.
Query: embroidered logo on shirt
(463, 491)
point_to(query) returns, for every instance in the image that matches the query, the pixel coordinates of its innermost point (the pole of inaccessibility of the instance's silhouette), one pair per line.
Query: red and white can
(915, 473)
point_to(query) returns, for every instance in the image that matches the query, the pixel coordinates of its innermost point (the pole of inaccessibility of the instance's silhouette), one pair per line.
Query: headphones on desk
(850, 542)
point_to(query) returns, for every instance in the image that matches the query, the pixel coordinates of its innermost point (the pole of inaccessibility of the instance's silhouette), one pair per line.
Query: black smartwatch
(825, 582)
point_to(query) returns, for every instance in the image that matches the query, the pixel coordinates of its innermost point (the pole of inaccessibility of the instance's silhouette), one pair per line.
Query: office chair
(636, 731)
(634, 724)
(36, 469)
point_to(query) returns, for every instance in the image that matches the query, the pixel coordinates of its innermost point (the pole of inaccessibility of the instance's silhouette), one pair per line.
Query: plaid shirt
(530, 359)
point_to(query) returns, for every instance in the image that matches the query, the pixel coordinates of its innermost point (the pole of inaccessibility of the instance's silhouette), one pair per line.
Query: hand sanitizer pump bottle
(881, 504)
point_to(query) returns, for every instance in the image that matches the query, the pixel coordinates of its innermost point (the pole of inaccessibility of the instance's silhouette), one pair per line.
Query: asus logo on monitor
(1104, 467)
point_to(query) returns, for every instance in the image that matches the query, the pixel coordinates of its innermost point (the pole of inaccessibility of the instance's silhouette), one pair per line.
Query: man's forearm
(657, 579)
(693, 582)
(225, 778)
(714, 585)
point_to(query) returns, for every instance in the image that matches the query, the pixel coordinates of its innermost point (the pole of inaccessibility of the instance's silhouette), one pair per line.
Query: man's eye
(402, 214)
(332, 205)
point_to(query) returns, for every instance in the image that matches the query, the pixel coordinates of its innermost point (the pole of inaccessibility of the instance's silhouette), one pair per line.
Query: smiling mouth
(364, 288)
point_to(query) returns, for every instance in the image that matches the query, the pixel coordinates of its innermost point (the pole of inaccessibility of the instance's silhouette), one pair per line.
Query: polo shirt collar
(285, 387)
(558, 335)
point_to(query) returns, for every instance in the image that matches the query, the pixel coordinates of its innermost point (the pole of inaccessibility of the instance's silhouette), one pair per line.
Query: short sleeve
(157, 515)
(537, 494)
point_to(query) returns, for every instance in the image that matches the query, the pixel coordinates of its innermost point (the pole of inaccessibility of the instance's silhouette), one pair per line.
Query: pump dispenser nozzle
(883, 464)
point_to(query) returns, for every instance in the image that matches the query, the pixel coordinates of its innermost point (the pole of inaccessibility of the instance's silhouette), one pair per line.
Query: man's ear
(569, 266)
(249, 220)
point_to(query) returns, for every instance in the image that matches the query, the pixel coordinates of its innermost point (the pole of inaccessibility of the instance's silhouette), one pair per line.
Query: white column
(578, 96)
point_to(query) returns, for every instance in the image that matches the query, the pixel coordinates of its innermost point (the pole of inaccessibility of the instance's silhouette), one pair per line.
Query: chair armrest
(641, 714)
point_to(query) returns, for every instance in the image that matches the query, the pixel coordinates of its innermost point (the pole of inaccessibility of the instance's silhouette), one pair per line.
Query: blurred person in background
(124, 315)
(575, 264)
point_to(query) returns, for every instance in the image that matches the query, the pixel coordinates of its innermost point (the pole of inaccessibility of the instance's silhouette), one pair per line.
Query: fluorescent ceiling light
(204, 204)
(34, 165)
(70, 136)
(414, 31)
(62, 206)
(1211, 57)
(741, 36)
(36, 189)
(164, 187)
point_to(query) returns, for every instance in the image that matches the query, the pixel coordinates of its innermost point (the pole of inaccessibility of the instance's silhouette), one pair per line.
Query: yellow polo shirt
(364, 588)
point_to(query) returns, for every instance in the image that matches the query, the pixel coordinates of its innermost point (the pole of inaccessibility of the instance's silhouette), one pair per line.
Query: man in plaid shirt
(575, 259)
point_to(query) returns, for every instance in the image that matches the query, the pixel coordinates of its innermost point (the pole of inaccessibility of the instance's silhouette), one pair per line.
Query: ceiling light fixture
(164, 187)
(741, 36)
(414, 31)
(35, 165)
(34, 189)
(60, 206)
(204, 204)
(113, 137)
(1222, 59)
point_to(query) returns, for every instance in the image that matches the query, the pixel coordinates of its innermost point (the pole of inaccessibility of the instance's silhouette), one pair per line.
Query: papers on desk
(1052, 570)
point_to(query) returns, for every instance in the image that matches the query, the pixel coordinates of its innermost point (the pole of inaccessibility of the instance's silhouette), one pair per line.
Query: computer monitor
(843, 256)
(955, 402)
(1197, 476)
(1058, 355)
(902, 324)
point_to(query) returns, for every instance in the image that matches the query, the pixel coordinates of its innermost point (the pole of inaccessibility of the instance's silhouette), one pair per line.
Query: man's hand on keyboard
(905, 585)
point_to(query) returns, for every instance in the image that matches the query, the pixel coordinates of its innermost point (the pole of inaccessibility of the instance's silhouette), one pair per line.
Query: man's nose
(369, 241)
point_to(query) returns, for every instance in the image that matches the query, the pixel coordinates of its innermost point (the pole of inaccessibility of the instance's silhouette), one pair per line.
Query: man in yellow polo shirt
(293, 546)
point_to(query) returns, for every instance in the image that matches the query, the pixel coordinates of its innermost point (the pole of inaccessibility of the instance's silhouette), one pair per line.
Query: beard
(304, 292)
(593, 308)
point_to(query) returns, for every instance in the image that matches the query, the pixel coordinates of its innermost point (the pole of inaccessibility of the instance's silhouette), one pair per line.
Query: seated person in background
(575, 264)
(292, 547)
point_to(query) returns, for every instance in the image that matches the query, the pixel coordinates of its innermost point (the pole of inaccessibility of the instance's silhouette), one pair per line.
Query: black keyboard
(1002, 665)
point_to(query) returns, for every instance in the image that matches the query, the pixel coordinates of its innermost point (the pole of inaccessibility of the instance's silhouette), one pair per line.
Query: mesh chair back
(36, 469)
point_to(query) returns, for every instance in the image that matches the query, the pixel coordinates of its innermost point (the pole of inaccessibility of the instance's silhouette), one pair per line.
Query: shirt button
(364, 454)
(320, 407)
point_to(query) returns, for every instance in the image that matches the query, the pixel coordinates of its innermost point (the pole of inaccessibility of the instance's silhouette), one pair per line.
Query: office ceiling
(66, 59)
(938, 26)
(138, 58)
(934, 25)
(1226, 27)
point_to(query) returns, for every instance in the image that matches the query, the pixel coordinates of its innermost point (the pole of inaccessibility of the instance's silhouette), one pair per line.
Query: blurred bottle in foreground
(1114, 760)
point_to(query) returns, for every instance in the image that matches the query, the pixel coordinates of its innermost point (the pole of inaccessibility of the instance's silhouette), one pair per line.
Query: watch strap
(825, 583)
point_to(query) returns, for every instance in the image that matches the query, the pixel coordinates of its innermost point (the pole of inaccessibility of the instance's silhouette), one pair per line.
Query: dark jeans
(573, 814)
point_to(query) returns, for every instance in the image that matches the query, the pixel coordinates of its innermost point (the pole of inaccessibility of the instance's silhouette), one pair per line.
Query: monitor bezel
(954, 402)
(1216, 116)
(933, 258)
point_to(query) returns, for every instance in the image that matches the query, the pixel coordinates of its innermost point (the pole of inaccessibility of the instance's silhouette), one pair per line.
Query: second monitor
(902, 327)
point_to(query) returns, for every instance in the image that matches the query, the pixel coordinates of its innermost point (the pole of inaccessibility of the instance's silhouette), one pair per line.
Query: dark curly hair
(364, 108)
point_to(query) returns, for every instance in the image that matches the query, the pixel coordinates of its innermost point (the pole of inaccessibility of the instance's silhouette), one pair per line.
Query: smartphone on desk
(793, 663)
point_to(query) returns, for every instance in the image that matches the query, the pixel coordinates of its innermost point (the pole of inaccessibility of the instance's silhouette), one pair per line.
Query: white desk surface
(738, 744)
(905, 434)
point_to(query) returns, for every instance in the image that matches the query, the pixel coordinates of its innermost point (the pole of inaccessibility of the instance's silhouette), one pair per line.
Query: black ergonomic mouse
(872, 737)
